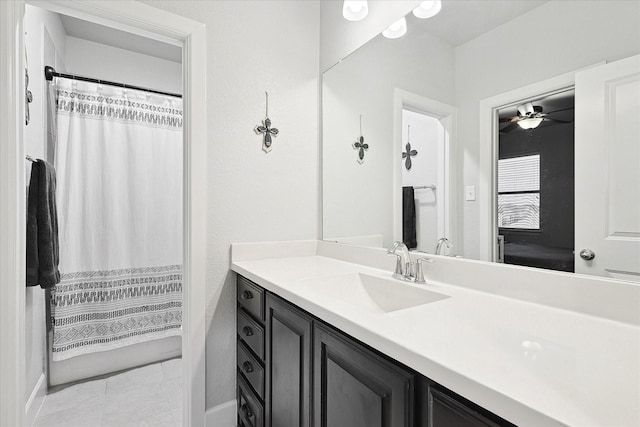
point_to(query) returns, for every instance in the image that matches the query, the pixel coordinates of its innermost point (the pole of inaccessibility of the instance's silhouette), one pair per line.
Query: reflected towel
(409, 218)
(42, 227)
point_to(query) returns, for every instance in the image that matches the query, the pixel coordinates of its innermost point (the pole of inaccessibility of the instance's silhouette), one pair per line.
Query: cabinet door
(288, 362)
(446, 409)
(354, 387)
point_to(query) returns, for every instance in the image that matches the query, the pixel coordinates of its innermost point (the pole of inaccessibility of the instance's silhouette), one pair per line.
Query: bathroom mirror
(440, 72)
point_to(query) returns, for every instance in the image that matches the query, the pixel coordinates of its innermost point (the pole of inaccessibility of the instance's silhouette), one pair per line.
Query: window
(519, 193)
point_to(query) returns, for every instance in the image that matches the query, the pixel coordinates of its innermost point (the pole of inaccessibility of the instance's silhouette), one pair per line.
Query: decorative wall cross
(266, 129)
(409, 152)
(360, 145)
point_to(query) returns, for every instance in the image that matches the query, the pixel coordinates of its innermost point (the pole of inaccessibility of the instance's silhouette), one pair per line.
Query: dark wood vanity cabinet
(294, 370)
(250, 354)
(357, 388)
(443, 408)
(288, 365)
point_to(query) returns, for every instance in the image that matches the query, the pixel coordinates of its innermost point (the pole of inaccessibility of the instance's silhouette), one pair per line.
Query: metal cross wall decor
(409, 152)
(266, 129)
(360, 145)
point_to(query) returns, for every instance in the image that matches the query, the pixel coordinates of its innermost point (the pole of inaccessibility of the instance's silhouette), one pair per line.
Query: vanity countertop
(529, 363)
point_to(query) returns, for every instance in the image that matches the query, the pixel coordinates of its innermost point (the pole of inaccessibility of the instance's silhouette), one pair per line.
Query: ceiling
(462, 20)
(121, 39)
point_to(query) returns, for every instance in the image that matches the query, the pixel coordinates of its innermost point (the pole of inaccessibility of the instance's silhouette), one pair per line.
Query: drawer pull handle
(247, 367)
(247, 331)
(247, 295)
(246, 411)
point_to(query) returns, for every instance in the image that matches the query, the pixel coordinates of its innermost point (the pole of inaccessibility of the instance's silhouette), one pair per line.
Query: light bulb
(427, 9)
(531, 123)
(396, 30)
(355, 10)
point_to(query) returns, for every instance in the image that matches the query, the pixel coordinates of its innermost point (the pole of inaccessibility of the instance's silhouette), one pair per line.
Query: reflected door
(608, 170)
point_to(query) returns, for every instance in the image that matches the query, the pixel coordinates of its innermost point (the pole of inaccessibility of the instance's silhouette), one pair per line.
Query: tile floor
(147, 396)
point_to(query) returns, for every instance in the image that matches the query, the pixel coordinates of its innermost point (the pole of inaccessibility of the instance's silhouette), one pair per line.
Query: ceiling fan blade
(556, 120)
(510, 128)
(561, 110)
(512, 119)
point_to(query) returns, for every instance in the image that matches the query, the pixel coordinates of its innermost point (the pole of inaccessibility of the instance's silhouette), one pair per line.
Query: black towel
(409, 218)
(42, 227)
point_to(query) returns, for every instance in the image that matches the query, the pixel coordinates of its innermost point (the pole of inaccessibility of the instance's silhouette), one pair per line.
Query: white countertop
(529, 363)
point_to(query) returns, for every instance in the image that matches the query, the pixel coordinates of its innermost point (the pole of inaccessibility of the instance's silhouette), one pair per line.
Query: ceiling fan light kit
(530, 123)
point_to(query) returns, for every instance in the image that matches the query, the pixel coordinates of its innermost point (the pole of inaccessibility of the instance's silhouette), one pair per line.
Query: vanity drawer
(251, 297)
(251, 369)
(250, 410)
(251, 332)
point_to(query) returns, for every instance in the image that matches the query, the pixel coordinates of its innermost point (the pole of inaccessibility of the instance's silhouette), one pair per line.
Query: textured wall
(87, 58)
(254, 46)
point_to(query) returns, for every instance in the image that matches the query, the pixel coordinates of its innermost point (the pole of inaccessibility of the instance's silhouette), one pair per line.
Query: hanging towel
(409, 218)
(42, 227)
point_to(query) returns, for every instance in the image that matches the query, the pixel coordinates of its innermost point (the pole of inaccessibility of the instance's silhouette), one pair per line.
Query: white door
(607, 168)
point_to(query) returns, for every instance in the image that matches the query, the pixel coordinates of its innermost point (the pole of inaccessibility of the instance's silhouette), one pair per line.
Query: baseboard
(223, 415)
(33, 405)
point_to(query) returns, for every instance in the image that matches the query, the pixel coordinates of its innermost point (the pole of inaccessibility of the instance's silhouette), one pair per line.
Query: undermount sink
(378, 294)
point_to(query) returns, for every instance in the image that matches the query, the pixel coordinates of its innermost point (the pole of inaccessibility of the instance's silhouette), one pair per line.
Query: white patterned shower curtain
(118, 159)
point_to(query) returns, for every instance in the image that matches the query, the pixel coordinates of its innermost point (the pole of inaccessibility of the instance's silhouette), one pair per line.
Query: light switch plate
(470, 193)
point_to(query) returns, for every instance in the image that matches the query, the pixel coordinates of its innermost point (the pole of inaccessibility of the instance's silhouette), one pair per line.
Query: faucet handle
(419, 270)
(398, 273)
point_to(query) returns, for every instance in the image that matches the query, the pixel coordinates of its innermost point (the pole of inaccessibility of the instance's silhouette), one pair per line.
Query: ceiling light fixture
(531, 123)
(428, 8)
(397, 29)
(355, 10)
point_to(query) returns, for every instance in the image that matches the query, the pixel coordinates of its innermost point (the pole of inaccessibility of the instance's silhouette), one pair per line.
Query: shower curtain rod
(50, 73)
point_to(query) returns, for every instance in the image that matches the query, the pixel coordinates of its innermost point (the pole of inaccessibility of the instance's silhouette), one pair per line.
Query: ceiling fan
(528, 116)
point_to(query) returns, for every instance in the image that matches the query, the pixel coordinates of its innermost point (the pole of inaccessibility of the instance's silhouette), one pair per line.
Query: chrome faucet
(443, 241)
(403, 268)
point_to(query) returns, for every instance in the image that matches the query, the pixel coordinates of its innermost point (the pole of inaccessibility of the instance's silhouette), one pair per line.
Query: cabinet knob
(247, 331)
(246, 411)
(246, 295)
(247, 367)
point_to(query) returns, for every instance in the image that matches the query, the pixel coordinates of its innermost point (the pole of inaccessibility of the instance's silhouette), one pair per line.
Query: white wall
(96, 60)
(358, 198)
(45, 44)
(339, 37)
(253, 47)
(560, 36)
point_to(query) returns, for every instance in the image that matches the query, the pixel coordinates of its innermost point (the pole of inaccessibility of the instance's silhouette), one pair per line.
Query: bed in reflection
(534, 255)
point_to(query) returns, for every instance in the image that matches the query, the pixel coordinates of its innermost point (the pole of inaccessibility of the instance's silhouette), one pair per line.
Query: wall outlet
(470, 193)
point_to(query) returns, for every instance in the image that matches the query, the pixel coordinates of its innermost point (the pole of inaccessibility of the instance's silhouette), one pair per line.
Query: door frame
(143, 20)
(488, 155)
(447, 115)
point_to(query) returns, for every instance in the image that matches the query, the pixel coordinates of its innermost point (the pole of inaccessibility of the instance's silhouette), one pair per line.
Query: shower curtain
(118, 156)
